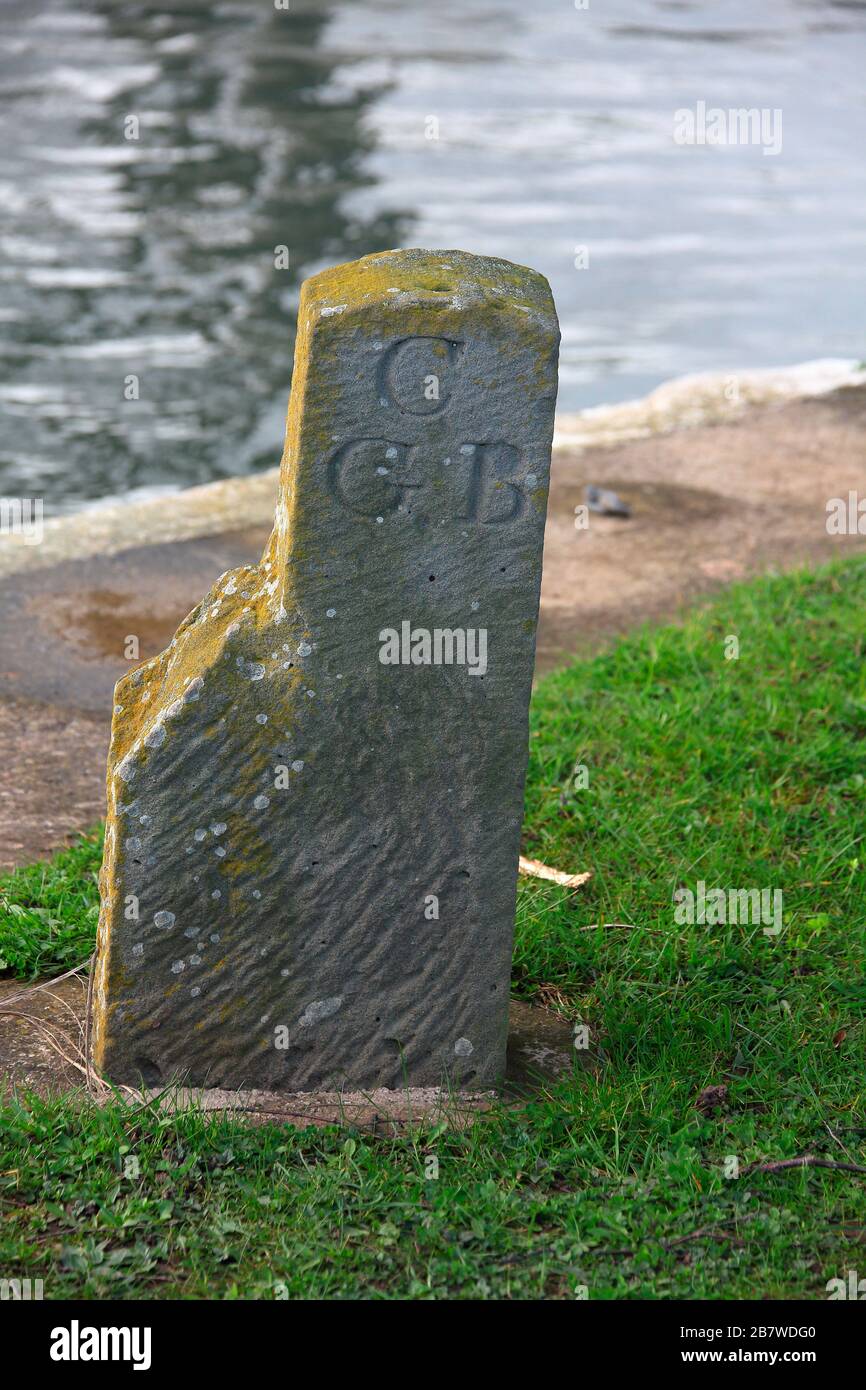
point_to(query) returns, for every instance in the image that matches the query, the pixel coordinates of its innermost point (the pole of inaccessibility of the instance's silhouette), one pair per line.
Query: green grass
(742, 773)
(48, 912)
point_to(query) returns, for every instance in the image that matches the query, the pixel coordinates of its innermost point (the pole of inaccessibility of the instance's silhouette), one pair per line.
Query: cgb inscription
(482, 482)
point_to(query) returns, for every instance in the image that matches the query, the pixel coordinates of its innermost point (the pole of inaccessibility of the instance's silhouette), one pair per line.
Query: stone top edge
(417, 277)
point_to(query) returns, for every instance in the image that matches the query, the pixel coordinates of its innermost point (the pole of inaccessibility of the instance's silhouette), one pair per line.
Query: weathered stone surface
(311, 855)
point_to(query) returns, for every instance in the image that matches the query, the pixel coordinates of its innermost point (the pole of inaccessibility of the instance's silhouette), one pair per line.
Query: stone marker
(315, 794)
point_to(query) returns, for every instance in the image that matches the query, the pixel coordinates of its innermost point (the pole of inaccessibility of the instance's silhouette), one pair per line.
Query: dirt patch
(63, 635)
(709, 506)
(42, 1031)
(52, 777)
(42, 1035)
(100, 622)
(65, 629)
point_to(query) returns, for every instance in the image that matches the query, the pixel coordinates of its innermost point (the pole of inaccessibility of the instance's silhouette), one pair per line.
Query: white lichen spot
(178, 966)
(220, 852)
(284, 972)
(463, 1047)
(164, 919)
(304, 649)
(298, 765)
(331, 613)
(195, 992)
(219, 827)
(138, 948)
(126, 770)
(261, 719)
(319, 1009)
(156, 737)
(195, 960)
(214, 937)
(194, 689)
(262, 803)
(251, 670)
(199, 834)
(256, 893)
(332, 309)
(379, 520)
(217, 893)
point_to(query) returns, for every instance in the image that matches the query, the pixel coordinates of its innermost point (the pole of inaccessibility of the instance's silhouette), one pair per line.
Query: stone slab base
(42, 1040)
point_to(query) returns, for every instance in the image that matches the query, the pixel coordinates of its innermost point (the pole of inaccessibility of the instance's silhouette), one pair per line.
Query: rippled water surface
(260, 128)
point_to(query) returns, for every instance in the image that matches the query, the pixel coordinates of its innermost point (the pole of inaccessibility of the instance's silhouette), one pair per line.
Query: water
(154, 258)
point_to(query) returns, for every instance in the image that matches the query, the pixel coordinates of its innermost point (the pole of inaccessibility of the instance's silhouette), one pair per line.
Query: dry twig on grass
(533, 868)
(804, 1161)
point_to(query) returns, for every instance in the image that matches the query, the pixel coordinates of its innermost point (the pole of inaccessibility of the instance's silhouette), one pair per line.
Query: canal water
(156, 158)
